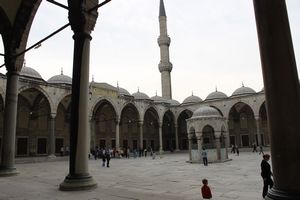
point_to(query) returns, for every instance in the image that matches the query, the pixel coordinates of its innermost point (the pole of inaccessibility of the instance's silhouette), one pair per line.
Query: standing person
(62, 151)
(205, 190)
(237, 150)
(266, 174)
(107, 156)
(233, 149)
(254, 147)
(103, 157)
(204, 157)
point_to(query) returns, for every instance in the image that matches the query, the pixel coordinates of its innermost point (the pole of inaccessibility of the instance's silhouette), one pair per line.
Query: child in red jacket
(205, 190)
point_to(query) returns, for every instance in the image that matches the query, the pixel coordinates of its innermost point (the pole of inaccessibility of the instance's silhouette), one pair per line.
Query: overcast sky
(213, 44)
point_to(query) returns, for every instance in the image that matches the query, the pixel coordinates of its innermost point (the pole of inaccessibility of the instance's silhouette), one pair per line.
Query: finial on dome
(92, 78)
(216, 89)
(192, 93)
(155, 92)
(242, 84)
(24, 63)
(61, 71)
(118, 85)
(138, 89)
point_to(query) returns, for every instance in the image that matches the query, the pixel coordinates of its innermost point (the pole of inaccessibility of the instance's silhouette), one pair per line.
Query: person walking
(103, 157)
(266, 174)
(237, 150)
(233, 149)
(261, 151)
(254, 147)
(107, 156)
(205, 190)
(204, 156)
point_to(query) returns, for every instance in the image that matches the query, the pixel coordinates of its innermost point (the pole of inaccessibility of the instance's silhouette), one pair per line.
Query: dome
(30, 72)
(206, 111)
(216, 95)
(192, 99)
(243, 91)
(158, 99)
(60, 79)
(122, 91)
(173, 102)
(140, 95)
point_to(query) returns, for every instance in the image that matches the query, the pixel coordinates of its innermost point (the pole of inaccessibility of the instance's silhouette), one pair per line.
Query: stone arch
(241, 125)
(182, 128)
(96, 102)
(60, 98)
(104, 120)
(151, 129)
(129, 126)
(168, 131)
(263, 120)
(208, 137)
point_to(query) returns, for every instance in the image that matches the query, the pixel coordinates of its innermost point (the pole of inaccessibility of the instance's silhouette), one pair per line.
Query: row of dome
(216, 95)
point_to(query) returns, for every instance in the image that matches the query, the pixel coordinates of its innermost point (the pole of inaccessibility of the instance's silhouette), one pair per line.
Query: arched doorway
(241, 125)
(104, 119)
(208, 137)
(182, 129)
(265, 137)
(129, 130)
(168, 132)
(33, 117)
(151, 130)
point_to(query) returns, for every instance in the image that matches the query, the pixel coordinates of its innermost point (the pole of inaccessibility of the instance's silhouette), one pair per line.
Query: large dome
(173, 102)
(140, 95)
(243, 91)
(206, 111)
(216, 95)
(60, 79)
(192, 99)
(158, 99)
(30, 72)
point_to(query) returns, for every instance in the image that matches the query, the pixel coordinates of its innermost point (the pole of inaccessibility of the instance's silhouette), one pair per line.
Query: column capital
(52, 115)
(141, 123)
(82, 20)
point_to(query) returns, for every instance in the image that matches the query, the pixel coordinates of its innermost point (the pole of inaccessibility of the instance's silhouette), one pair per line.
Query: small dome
(140, 95)
(158, 99)
(60, 79)
(122, 91)
(173, 102)
(192, 99)
(243, 91)
(206, 111)
(216, 95)
(30, 72)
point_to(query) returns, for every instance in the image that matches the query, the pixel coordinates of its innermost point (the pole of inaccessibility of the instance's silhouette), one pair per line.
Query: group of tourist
(235, 149)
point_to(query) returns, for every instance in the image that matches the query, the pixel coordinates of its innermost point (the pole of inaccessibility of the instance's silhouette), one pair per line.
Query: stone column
(82, 23)
(141, 123)
(282, 93)
(218, 145)
(7, 167)
(160, 138)
(258, 130)
(118, 134)
(190, 147)
(52, 136)
(92, 134)
(199, 143)
(176, 138)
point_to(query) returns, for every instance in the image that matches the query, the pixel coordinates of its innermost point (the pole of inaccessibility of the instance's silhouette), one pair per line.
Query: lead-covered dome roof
(206, 111)
(60, 79)
(140, 95)
(243, 91)
(123, 91)
(173, 102)
(30, 72)
(216, 95)
(158, 99)
(192, 99)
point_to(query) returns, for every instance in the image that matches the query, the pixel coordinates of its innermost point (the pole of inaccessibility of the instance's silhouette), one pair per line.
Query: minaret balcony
(163, 66)
(164, 40)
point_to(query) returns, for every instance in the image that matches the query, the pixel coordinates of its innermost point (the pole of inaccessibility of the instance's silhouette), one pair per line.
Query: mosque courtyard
(168, 178)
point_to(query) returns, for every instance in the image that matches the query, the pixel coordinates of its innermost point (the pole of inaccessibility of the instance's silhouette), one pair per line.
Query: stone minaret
(165, 66)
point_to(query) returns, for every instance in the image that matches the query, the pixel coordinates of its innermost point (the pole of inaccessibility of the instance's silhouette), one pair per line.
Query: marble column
(51, 153)
(141, 123)
(199, 144)
(258, 130)
(82, 23)
(7, 167)
(160, 139)
(282, 91)
(118, 134)
(190, 147)
(218, 147)
(176, 138)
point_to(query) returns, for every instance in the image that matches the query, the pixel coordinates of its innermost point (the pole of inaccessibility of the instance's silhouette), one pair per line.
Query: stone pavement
(166, 178)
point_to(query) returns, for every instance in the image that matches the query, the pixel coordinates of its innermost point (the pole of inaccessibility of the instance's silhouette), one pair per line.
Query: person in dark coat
(107, 156)
(266, 174)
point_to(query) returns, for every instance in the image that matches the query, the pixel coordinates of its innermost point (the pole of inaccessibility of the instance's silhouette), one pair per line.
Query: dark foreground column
(7, 167)
(82, 23)
(282, 96)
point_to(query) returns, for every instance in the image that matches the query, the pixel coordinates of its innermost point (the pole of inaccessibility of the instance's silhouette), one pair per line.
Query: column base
(75, 183)
(177, 150)
(51, 156)
(6, 171)
(276, 194)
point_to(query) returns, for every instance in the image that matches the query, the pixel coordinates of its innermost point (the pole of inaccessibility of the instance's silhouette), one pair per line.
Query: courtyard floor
(167, 178)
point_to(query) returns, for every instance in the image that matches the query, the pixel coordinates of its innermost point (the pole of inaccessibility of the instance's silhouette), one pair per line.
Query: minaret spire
(165, 66)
